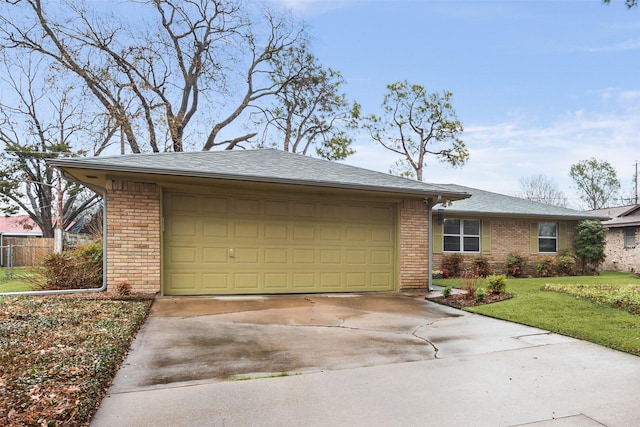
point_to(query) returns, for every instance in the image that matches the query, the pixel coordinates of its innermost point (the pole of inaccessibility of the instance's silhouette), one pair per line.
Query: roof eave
(520, 215)
(62, 164)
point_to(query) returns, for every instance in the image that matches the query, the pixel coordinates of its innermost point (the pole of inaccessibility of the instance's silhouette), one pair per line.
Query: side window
(629, 237)
(547, 237)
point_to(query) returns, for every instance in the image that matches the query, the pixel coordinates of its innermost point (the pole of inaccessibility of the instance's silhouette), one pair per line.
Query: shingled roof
(620, 216)
(487, 203)
(266, 165)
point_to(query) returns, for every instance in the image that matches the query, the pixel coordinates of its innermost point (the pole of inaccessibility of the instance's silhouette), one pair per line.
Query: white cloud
(501, 153)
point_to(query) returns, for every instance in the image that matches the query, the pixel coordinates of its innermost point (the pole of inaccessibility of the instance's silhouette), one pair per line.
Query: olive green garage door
(253, 244)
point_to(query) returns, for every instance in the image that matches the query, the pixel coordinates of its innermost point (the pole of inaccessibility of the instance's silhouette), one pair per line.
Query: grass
(567, 308)
(58, 355)
(18, 284)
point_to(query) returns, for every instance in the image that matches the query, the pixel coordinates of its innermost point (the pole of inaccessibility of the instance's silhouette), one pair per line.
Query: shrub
(470, 284)
(481, 266)
(445, 273)
(446, 291)
(453, 263)
(123, 288)
(566, 265)
(77, 269)
(515, 264)
(480, 294)
(589, 243)
(496, 284)
(545, 266)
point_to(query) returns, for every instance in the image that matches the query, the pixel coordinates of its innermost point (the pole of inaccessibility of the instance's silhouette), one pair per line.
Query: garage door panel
(215, 255)
(225, 244)
(216, 282)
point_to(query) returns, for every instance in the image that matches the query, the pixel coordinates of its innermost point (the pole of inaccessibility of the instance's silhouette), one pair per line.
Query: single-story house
(258, 222)
(493, 225)
(268, 222)
(622, 251)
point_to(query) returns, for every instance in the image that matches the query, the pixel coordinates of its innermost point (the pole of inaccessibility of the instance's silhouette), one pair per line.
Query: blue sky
(539, 85)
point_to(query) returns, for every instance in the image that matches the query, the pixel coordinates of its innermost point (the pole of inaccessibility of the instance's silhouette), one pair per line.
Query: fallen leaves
(59, 354)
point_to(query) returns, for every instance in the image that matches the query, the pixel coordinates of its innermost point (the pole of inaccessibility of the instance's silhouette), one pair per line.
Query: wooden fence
(24, 251)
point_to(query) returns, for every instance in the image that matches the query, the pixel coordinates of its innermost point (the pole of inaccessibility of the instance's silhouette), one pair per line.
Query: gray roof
(620, 216)
(484, 202)
(266, 165)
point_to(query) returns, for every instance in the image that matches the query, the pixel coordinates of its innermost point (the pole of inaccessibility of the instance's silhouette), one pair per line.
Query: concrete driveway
(360, 360)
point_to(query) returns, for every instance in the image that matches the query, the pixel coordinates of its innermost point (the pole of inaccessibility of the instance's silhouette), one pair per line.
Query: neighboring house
(17, 230)
(493, 225)
(622, 250)
(258, 222)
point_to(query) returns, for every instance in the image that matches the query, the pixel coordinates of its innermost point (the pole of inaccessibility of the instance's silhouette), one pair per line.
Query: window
(461, 235)
(547, 237)
(629, 237)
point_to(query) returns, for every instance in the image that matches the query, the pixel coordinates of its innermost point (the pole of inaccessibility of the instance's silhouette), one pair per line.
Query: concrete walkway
(361, 360)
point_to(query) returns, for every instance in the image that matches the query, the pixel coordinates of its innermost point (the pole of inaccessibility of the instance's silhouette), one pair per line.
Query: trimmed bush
(545, 266)
(566, 265)
(481, 266)
(515, 264)
(453, 264)
(480, 294)
(496, 284)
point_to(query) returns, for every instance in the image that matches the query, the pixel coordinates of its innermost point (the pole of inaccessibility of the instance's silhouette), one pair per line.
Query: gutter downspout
(104, 260)
(430, 204)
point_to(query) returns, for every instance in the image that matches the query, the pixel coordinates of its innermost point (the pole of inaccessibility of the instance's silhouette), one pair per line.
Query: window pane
(629, 237)
(547, 229)
(451, 226)
(451, 244)
(472, 244)
(547, 245)
(472, 227)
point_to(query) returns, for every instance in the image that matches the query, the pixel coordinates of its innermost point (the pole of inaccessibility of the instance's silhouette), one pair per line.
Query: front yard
(59, 354)
(573, 306)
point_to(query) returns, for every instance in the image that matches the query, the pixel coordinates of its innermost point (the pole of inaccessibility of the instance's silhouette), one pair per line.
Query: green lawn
(576, 316)
(18, 284)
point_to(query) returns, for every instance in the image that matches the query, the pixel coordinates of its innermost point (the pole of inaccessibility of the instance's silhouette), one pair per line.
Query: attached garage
(253, 244)
(258, 222)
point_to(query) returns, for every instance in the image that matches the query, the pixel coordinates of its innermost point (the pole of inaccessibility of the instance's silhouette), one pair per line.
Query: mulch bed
(464, 300)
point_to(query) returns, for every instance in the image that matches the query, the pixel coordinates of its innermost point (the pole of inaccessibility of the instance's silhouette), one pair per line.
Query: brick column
(133, 235)
(413, 246)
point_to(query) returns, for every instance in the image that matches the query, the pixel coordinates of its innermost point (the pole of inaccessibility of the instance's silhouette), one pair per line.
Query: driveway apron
(360, 359)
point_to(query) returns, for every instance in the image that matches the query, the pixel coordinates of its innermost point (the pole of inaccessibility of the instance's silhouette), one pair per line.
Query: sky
(538, 85)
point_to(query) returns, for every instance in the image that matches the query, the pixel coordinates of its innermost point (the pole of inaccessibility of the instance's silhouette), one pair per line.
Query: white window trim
(461, 236)
(548, 238)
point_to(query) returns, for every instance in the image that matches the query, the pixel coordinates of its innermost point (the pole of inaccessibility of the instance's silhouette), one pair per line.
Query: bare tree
(153, 65)
(540, 188)
(416, 124)
(309, 114)
(35, 125)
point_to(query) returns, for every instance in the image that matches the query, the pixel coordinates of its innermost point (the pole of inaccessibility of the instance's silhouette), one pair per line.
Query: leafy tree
(589, 243)
(36, 125)
(157, 67)
(539, 188)
(309, 114)
(414, 124)
(629, 3)
(597, 182)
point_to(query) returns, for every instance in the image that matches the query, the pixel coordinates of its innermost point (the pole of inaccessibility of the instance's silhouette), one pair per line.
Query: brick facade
(508, 235)
(619, 258)
(133, 236)
(413, 245)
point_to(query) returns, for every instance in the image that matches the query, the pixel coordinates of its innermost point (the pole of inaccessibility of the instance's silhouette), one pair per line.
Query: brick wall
(618, 257)
(507, 235)
(413, 245)
(133, 235)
